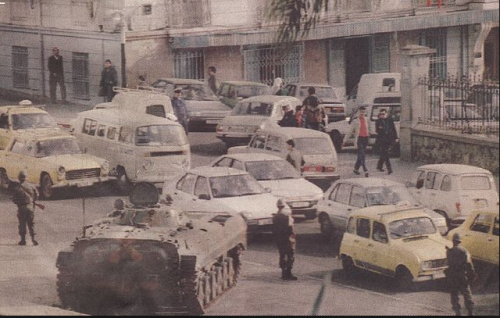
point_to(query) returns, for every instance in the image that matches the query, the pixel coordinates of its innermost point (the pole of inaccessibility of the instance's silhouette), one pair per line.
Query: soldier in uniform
(285, 239)
(460, 273)
(25, 195)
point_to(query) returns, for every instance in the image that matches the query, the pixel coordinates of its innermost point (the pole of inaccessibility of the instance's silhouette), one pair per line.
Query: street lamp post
(123, 40)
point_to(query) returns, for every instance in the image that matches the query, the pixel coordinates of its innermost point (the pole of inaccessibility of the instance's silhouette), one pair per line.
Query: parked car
(333, 105)
(230, 93)
(18, 119)
(280, 177)
(320, 164)
(345, 133)
(203, 107)
(398, 241)
(480, 236)
(208, 189)
(52, 161)
(346, 196)
(251, 115)
(454, 191)
(139, 148)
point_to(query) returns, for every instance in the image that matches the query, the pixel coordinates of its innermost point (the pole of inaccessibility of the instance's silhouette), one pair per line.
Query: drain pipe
(42, 51)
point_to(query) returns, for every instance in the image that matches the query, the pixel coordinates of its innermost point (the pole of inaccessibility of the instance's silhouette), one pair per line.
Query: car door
(361, 243)
(382, 258)
(5, 133)
(339, 205)
(416, 185)
(479, 239)
(184, 192)
(202, 199)
(223, 94)
(429, 193)
(15, 159)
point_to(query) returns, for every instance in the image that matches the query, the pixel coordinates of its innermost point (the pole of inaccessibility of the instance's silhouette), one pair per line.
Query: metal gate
(266, 64)
(20, 77)
(190, 64)
(437, 39)
(81, 75)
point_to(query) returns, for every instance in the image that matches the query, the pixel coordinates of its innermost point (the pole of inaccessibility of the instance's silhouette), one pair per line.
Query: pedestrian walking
(387, 136)
(212, 80)
(294, 156)
(460, 274)
(109, 79)
(25, 196)
(313, 111)
(180, 110)
(285, 240)
(56, 76)
(363, 137)
(299, 116)
(289, 119)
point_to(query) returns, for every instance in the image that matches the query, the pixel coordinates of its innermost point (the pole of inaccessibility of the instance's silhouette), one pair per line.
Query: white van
(370, 85)
(142, 101)
(141, 148)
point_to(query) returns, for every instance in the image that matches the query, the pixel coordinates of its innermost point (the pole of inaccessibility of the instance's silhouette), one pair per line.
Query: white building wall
(236, 12)
(454, 50)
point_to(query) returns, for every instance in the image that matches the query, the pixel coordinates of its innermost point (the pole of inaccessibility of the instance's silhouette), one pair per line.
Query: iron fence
(469, 105)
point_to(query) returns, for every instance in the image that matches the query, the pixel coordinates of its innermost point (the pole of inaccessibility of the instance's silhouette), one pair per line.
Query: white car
(251, 115)
(210, 190)
(349, 195)
(280, 177)
(454, 191)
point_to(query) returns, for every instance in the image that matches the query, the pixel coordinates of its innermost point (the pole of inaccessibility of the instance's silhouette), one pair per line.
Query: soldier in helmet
(25, 196)
(460, 274)
(285, 239)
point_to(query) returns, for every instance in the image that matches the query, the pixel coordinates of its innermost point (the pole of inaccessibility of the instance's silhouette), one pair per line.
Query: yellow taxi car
(18, 119)
(398, 241)
(480, 236)
(52, 161)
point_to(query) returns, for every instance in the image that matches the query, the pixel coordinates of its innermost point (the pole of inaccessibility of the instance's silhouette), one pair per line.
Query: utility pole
(123, 40)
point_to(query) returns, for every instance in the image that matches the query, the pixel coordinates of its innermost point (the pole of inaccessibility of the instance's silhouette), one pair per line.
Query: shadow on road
(213, 149)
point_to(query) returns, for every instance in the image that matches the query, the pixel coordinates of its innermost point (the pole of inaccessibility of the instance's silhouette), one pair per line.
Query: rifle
(40, 206)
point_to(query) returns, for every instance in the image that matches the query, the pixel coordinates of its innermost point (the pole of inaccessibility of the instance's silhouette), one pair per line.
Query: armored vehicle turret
(146, 258)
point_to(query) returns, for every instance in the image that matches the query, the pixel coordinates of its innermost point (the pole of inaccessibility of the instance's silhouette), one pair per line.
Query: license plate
(213, 122)
(84, 184)
(266, 222)
(300, 204)
(237, 129)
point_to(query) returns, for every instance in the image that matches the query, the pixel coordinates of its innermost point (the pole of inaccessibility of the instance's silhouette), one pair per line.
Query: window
(89, 127)
(226, 162)
(126, 135)
(351, 226)
(430, 180)
(446, 185)
(420, 177)
(201, 187)
(357, 197)
(4, 121)
(81, 82)
(156, 110)
(238, 165)
(334, 193)
(363, 228)
(101, 131)
(380, 53)
(224, 90)
(482, 223)
(188, 183)
(20, 78)
(437, 181)
(274, 143)
(475, 183)
(112, 133)
(190, 64)
(379, 233)
(343, 194)
(436, 39)
(147, 9)
(258, 142)
(18, 147)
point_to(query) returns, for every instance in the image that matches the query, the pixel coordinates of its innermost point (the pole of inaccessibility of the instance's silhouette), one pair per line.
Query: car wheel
(337, 140)
(4, 179)
(46, 190)
(404, 280)
(123, 183)
(326, 226)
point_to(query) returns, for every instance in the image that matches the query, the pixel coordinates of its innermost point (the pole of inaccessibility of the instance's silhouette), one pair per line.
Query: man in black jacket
(386, 137)
(56, 69)
(285, 239)
(109, 79)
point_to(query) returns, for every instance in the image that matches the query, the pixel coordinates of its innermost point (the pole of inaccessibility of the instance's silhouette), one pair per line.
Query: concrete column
(416, 62)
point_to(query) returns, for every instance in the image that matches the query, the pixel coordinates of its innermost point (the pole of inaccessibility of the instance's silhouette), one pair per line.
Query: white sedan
(214, 190)
(277, 175)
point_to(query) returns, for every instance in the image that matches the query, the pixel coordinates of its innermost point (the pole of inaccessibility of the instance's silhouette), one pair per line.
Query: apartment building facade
(181, 38)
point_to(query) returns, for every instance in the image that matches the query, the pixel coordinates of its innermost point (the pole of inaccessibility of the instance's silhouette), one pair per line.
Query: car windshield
(234, 186)
(326, 93)
(408, 228)
(476, 183)
(248, 91)
(32, 121)
(161, 135)
(388, 195)
(57, 147)
(313, 146)
(393, 112)
(253, 109)
(197, 92)
(271, 170)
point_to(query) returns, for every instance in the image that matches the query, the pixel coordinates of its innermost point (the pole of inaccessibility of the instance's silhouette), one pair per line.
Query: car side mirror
(205, 197)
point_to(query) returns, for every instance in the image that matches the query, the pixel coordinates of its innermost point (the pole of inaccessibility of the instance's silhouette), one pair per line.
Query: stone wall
(434, 147)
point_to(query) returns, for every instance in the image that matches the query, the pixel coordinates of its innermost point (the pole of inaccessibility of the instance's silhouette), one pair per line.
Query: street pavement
(28, 274)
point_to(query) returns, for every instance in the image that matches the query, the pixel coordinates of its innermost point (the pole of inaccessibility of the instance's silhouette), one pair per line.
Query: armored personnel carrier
(146, 258)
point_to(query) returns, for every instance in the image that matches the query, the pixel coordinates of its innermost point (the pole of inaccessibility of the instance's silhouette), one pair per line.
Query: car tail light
(459, 207)
(313, 169)
(219, 128)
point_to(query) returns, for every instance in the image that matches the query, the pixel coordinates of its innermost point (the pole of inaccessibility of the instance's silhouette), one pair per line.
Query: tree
(296, 17)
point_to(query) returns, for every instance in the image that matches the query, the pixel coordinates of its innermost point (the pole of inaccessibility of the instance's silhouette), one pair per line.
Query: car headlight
(427, 265)
(61, 173)
(247, 215)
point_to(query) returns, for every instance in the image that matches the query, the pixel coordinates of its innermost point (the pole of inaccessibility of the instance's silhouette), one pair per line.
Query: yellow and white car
(19, 119)
(52, 161)
(399, 241)
(480, 236)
